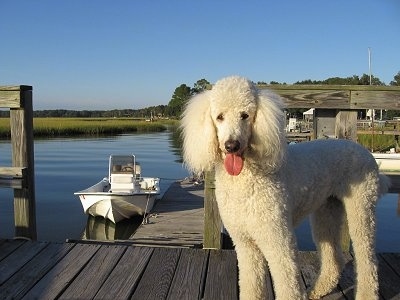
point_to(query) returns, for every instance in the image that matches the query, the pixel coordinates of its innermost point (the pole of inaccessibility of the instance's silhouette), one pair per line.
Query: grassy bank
(56, 127)
(377, 142)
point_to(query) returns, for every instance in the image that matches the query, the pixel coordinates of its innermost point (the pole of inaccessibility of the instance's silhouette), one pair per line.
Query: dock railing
(335, 116)
(21, 175)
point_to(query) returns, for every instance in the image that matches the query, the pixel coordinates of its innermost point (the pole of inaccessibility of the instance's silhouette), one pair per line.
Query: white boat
(388, 162)
(123, 193)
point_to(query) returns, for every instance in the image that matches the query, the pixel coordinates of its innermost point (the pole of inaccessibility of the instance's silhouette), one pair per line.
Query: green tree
(181, 95)
(396, 80)
(201, 85)
(364, 80)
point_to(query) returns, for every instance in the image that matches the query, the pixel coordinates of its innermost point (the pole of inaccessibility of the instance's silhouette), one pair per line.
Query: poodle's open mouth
(233, 163)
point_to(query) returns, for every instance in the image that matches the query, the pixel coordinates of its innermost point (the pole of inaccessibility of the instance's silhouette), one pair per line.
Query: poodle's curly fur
(237, 129)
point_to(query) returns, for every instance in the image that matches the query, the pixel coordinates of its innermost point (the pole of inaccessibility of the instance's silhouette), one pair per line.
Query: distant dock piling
(21, 175)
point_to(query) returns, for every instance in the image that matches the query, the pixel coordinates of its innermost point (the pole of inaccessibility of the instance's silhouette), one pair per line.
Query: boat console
(124, 173)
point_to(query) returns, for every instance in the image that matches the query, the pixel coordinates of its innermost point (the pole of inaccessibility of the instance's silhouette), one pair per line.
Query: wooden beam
(375, 99)
(12, 96)
(12, 172)
(13, 177)
(338, 96)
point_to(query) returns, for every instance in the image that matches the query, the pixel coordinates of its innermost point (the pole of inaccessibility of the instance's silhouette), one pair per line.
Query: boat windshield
(122, 164)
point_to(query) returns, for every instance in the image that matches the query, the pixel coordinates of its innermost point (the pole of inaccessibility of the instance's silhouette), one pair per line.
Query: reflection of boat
(388, 162)
(101, 229)
(123, 193)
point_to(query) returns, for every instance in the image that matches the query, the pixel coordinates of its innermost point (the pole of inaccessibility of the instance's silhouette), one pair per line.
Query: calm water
(63, 166)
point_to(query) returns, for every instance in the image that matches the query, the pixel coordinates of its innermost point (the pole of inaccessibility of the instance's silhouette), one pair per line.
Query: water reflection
(99, 228)
(176, 143)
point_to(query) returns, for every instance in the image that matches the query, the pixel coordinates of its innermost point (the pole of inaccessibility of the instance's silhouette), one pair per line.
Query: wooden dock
(176, 220)
(43, 270)
(174, 269)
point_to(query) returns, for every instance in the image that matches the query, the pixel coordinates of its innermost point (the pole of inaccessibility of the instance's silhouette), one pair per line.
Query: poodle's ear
(200, 145)
(268, 137)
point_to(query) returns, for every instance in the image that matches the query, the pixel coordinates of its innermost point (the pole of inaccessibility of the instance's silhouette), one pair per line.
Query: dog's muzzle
(232, 146)
(233, 159)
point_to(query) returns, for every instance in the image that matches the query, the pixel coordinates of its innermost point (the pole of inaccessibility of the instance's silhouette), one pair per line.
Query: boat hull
(388, 162)
(99, 200)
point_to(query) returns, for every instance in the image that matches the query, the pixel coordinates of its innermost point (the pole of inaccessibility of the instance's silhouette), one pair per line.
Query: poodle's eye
(220, 117)
(244, 116)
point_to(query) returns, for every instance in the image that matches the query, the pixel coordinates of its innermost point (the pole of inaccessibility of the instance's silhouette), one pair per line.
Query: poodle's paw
(315, 295)
(319, 291)
(324, 285)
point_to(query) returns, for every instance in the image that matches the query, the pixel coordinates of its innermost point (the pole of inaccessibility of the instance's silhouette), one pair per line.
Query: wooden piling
(21, 176)
(212, 219)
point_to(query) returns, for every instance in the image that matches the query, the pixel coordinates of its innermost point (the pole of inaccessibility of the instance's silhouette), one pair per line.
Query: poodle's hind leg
(252, 270)
(361, 219)
(326, 224)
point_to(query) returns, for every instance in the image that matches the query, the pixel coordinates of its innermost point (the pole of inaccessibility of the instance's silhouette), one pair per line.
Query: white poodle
(264, 188)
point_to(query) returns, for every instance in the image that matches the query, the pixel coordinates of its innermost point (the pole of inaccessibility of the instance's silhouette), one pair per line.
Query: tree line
(182, 94)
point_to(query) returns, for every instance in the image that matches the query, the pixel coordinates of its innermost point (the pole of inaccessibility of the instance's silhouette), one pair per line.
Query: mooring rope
(145, 217)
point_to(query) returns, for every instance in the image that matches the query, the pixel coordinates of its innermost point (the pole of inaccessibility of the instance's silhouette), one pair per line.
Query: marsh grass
(377, 142)
(56, 127)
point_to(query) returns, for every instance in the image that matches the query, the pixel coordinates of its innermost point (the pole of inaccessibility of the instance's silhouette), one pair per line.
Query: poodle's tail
(384, 184)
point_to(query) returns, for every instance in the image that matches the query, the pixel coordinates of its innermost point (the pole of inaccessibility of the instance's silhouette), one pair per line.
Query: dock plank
(178, 219)
(18, 258)
(158, 276)
(95, 273)
(189, 276)
(8, 246)
(23, 280)
(389, 280)
(63, 273)
(393, 259)
(130, 268)
(222, 276)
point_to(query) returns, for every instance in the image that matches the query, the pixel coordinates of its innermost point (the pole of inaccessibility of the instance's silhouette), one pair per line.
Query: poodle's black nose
(232, 146)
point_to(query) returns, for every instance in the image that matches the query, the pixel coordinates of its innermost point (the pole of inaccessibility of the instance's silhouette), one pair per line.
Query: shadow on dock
(176, 220)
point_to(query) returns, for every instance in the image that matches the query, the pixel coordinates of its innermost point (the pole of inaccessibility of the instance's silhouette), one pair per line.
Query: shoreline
(70, 127)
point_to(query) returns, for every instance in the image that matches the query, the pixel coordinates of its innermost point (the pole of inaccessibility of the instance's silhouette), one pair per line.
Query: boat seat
(122, 182)
(121, 178)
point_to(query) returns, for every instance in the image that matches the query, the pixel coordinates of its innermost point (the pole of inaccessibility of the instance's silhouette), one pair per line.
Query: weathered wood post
(346, 128)
(212, 219)
(339, 124)
(19, 100)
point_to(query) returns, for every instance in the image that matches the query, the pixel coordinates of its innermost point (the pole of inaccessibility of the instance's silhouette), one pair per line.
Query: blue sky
(133, 54)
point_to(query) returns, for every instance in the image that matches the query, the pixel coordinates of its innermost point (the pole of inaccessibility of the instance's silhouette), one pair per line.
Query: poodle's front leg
(252, 270)
(279, 249)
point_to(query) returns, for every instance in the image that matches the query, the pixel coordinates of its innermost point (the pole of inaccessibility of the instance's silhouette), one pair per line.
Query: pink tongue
(233, 164)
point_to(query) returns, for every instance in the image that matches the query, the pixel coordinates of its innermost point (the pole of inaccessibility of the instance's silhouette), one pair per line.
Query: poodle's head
(235, 124)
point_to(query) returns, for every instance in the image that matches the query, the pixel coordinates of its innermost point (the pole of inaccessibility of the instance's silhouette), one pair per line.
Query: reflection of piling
(398, 204)
(20, 176)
